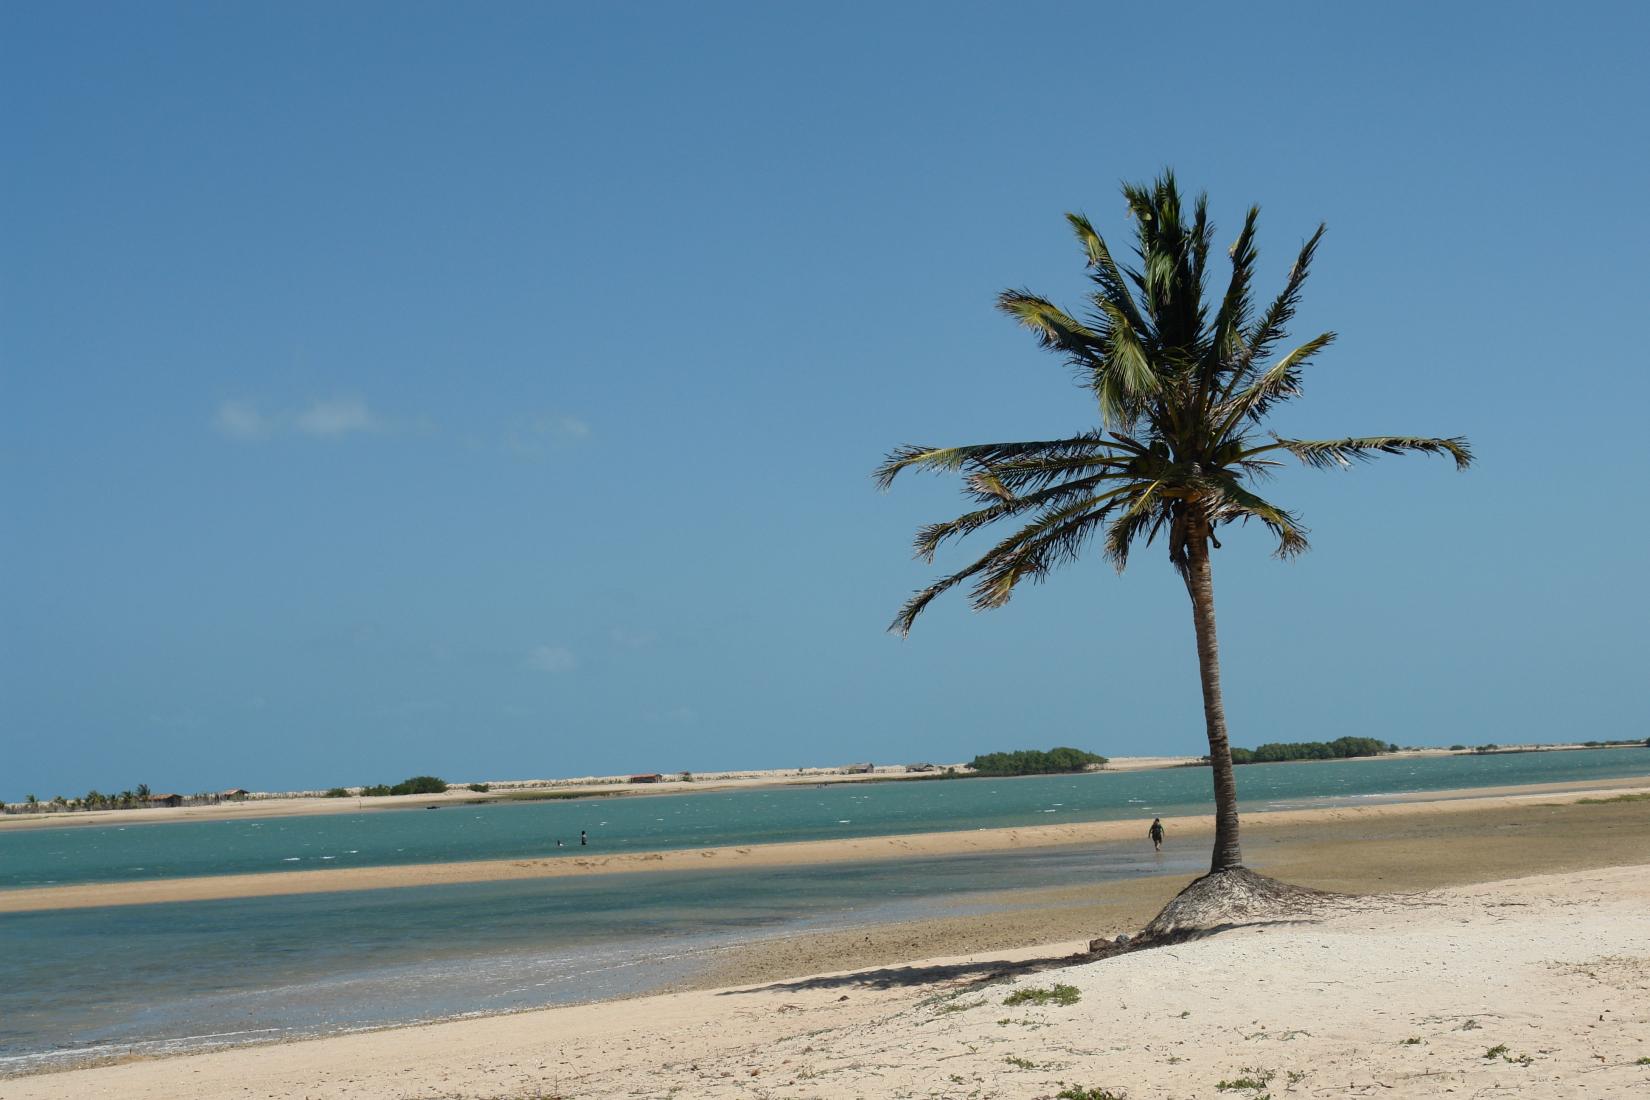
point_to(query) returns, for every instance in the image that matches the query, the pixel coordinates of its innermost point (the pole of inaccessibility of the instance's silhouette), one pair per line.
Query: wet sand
(1357, 853)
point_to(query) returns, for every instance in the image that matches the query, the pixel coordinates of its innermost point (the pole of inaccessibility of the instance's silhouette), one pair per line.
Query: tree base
(1219, 900)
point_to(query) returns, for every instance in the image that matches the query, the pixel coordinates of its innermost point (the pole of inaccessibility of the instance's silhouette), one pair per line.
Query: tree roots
(1222, 899)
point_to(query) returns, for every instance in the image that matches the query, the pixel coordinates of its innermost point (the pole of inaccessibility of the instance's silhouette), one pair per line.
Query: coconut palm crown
(1183, 388)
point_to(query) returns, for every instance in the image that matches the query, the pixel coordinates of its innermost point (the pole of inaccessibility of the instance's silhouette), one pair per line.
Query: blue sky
(492, 390)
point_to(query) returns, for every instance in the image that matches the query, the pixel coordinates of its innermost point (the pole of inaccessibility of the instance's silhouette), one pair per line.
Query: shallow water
(32, 857)
(187, 976)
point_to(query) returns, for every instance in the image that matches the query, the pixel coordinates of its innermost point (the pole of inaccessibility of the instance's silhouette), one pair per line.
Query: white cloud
(541, 432)
(241, 420)
(552, 658)
(339, 416)
(571, 428)
(632, 639)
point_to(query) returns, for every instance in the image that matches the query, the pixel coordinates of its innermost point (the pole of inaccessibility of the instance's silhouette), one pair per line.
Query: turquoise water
(174, 977)
(31, 857)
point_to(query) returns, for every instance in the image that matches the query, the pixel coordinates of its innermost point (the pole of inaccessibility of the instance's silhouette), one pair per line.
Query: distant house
(649, 777)
(919, 767)
(237, 794)
(166, 800)
(859, 769)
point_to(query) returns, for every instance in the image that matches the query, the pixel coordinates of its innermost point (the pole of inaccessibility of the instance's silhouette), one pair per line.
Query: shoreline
(505, 792)
(531, 790)
(1407, 993)
(793, 853)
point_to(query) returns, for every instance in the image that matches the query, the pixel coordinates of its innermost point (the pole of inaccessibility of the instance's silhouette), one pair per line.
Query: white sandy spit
(1535, 987)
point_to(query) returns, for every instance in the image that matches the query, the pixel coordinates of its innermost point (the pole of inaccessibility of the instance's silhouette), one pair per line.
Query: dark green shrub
(420, 784)
(337, 792)
(1342, 748)
(1035, 762)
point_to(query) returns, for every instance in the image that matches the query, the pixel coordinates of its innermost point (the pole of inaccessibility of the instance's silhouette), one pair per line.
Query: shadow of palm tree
(987, 971)
(890, 977)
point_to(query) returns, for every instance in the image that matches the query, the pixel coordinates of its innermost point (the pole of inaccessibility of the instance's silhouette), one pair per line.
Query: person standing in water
(583, 839)
(1156, 833)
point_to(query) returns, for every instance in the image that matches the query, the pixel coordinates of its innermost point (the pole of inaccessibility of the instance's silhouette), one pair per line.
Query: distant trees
(1342, 748)
(133, 798)
(1035, 762)
(418, 784)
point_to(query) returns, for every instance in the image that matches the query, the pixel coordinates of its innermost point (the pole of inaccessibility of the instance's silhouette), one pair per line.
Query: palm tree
(1183, 388)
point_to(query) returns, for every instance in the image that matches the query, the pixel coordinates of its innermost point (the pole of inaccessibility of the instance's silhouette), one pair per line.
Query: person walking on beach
(1156, 833)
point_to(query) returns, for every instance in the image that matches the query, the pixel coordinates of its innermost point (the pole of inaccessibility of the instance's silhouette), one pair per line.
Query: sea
(90, 984)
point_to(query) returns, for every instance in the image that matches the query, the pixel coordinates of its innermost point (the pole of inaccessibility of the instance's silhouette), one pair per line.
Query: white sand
(1555, 969)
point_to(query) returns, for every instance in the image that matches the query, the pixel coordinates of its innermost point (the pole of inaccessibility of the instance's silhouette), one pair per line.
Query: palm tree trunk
(1228, 854)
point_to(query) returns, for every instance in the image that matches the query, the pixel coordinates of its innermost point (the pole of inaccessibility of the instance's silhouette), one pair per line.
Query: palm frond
(1181, 381)
(1273, 324)
(1019, 475)
(1229, 501)
(1104, 270)
(1279, 383)
(982, 454)
(1054, 327)
(1054, 538)
(1233, 315)
(1325, 454)
(995, 557)
(930, 538)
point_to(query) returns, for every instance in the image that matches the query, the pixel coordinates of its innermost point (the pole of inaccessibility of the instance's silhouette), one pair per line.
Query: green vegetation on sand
(1035, 762)
(1342, 748)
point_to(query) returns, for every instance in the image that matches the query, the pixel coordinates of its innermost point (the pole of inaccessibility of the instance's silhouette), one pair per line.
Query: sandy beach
(1536, 986)
(1193, 830)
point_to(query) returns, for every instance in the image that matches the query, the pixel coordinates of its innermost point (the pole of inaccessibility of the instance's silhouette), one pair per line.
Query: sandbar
(861, 849)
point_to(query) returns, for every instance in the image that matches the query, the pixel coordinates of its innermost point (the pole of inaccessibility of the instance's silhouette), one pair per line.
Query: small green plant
(1252, 1079)
(1020, 1063)
(1061, 995)
(1412, 1041)
(481, 788)
(1296, 1076)
(1499, 1050)
(957, 1006)
(1078, 1092)
(1642, 1062)
(337, 792)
